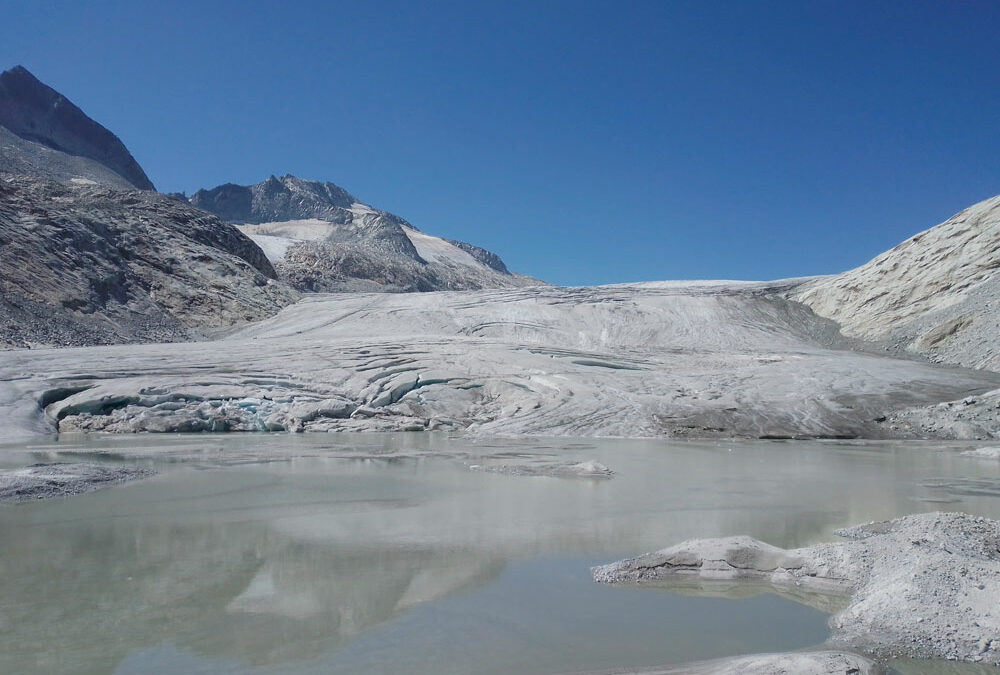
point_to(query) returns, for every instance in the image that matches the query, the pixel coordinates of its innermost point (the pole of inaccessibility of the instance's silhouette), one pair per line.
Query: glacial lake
(329, 553)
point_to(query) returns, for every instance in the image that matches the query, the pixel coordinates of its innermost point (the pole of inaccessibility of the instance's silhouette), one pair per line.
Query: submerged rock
(812, 663)
(588, 469)
(983, 453)
(921, 586)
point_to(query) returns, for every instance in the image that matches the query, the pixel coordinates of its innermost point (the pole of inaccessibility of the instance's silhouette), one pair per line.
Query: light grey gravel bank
(921, 586)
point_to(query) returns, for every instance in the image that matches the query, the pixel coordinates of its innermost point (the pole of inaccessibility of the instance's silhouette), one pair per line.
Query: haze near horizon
(584, 142)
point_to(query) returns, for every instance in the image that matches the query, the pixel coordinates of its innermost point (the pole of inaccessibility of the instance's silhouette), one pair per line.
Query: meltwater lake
(336, 553)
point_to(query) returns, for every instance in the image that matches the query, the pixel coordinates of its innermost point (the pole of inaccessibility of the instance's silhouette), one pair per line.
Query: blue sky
(586, 142)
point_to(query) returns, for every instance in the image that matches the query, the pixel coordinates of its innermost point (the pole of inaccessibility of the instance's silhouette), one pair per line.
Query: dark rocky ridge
(488, 258)
(86, 264)
(28, 158)
(37, 113)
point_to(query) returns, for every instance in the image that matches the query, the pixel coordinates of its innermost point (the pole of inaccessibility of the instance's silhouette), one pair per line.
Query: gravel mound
(920, 586)
(967, 418)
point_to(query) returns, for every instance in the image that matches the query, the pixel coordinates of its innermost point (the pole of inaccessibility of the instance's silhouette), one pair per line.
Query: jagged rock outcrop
(50, 137)
(935, 294)
(323, 239)
(86, 264)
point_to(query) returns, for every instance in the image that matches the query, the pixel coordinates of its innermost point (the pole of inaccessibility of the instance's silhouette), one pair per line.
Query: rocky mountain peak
(321, 238)
(276, 199)
(34, 112)
(327, 192)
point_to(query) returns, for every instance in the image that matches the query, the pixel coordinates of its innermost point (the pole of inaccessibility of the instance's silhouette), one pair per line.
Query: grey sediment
(922, 586)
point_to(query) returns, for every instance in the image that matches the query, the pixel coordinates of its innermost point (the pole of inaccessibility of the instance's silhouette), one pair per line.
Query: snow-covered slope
(321, 238)
(719, 359)
(937, 293)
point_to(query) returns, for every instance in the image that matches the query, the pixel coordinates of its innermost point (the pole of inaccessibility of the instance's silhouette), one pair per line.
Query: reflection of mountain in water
(286, 563)
(236, 591)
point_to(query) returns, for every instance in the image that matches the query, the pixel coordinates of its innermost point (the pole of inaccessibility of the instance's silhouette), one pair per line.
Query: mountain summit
(320, 237)
(276, 199)
(44, 134)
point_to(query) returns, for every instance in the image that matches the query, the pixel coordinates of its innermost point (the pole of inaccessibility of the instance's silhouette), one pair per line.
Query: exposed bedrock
(921, 586)
(642, 360)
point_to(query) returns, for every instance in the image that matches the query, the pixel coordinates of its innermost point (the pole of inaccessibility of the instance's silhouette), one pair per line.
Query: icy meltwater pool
(387, 554)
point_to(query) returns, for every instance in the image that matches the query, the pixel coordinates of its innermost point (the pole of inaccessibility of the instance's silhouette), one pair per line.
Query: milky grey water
(387, 554)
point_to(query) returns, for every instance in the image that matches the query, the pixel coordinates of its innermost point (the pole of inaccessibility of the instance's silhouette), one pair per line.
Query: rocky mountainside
(321, 238)
(936, 294)
(87, 258)
(44, 134)
(82, 263)
(28, 158)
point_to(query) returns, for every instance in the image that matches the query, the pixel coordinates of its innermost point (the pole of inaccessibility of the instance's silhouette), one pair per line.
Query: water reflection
(78, 601)
(828, 603)
(347, 558)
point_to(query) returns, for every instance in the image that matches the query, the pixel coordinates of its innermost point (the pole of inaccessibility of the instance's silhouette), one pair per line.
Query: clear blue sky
(586, 142)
